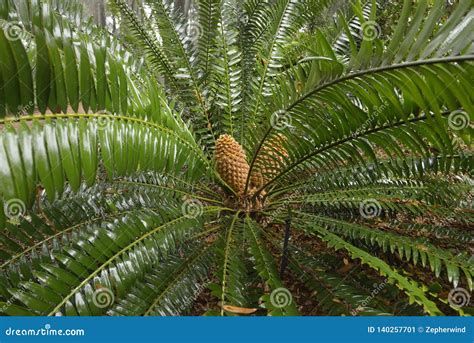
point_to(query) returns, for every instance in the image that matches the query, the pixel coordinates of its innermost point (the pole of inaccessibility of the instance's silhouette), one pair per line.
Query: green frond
(154, 51)
(171, 287)
(232, 273)
(66, 147)
(336, 294)
(456, 237)
(387, 130)
(179, 187)
(408, 248)
(175, 61)
(177, 36)
(59, 68)
(414, 198)
(413, 291)
(52, 225)
(266, 268)
(332, 293)
(209, 17)
(349, 35)
(226, 71)
(114, 257)
(398, 169)
(377, 93)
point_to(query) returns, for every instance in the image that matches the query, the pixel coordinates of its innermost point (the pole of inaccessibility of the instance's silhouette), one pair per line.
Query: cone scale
(232, 165)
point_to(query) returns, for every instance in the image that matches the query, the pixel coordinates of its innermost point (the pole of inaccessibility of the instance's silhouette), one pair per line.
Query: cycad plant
(236, 160)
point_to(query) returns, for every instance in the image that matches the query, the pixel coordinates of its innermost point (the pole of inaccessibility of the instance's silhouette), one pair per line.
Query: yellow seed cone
(270, 161)
(231, 163)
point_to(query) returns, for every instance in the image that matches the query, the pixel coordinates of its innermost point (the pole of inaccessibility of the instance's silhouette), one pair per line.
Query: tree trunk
(101, 13)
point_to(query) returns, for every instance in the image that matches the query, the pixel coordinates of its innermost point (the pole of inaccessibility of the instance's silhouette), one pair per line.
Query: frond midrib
(143, 122)
(226, 258)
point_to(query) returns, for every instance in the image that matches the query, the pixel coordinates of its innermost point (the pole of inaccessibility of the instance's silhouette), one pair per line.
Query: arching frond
(66, 147)
(408, 286)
